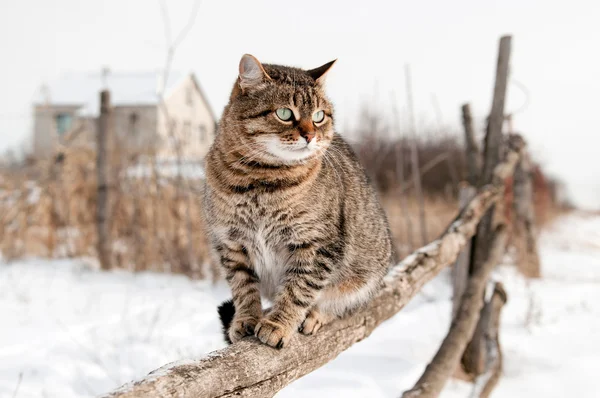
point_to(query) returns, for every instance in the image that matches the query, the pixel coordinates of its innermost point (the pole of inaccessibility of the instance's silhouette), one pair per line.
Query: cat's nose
(307, 130)
(307, 136)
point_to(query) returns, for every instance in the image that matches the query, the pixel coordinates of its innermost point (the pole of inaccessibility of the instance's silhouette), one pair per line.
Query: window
(63, 122)
(187, 131)
(133, 124)
(202, 133)
(189, 96)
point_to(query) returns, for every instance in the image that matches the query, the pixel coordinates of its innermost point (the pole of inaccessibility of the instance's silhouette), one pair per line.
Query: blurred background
(404, 71)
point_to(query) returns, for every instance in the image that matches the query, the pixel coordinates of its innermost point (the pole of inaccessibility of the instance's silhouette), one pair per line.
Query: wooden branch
(447, 358)
(103, 181)
(471, 147)
(490, 321)
(473, 359)
(460, 270)
(251, 369)
(466, 319)
(524, 234)
(490, 174)
(493, 138)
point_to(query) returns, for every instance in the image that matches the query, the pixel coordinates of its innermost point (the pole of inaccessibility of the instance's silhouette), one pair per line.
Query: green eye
(318, 116)
(284, 114)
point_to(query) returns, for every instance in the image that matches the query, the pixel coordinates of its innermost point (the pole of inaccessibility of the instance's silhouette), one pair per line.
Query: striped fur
(291, 221)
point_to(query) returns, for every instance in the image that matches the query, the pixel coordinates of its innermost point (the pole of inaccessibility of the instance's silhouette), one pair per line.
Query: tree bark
(471, 147)
(493, 154)
(460, 271)
(490, 322)
(102, 175)
(524, 234)
(251, 369)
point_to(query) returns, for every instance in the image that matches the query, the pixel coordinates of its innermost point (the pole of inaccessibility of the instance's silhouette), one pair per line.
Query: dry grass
(156, 224)
(439, 213)
(48, 209)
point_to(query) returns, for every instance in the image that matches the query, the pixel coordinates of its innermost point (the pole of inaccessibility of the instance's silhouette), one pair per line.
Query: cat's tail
(226, 312)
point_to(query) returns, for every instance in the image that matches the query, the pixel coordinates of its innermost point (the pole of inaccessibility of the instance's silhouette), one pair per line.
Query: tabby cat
(290, 213)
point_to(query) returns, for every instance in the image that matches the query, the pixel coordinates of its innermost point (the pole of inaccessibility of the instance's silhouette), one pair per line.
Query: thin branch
(19, 380)
(190, 24)
(400, 176)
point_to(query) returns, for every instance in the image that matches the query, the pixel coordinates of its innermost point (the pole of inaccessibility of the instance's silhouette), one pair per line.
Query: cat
(290, 213)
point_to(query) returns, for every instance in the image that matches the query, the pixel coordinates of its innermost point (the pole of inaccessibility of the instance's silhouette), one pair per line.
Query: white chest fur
(269, 264)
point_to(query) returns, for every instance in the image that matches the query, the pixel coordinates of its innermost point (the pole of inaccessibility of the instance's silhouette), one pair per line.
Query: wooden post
(414, 157)
(492, 157)
(102, 175)
(493, 138)
(524, 235)
(460, 271)
(489, 327)
(471, 147)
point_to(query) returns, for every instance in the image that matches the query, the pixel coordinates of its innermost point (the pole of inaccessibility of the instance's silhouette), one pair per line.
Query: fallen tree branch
(485, 383)
(448, 356)
(251, 369)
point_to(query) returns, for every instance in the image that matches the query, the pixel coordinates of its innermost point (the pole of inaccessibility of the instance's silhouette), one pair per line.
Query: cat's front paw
(242, 326)
(313, 322)
(272, 333)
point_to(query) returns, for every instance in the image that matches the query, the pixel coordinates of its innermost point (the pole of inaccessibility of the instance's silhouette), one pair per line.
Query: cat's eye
(284, 114)
(318, 117)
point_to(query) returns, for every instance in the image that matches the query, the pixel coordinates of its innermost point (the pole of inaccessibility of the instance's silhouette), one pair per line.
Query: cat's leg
(244, 285)
(314, 320)
(306, 275)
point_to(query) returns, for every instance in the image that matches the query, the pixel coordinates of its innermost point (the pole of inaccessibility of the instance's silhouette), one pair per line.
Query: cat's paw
(272, 333)
(242, 326)
(313, 322)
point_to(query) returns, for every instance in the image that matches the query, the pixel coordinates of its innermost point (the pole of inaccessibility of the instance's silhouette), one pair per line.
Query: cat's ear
(319, 73)
(252, 72)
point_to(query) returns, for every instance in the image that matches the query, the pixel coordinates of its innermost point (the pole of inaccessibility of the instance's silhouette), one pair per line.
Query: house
(183, 124)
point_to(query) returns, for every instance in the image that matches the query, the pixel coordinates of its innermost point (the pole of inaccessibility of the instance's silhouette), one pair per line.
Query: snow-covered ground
(68, 330)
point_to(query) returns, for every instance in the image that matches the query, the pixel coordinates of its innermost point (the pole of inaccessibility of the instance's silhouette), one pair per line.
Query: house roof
(126, 89)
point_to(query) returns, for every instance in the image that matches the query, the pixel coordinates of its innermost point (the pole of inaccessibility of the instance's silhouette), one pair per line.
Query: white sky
(450, 45)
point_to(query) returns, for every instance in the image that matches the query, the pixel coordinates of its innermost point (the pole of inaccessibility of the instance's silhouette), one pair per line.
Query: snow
(70, 330)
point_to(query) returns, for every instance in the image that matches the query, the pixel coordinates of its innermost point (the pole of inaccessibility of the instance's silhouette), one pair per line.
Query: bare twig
(400, 176)
(19, 380)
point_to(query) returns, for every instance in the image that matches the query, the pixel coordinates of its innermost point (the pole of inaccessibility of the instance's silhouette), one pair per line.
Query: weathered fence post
(460, 271)
(103, 176)
(524, 235)
(471, 147)
(488, 330)
(492, 156)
